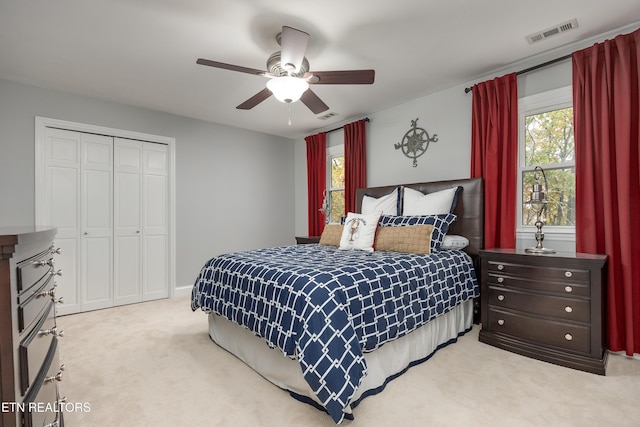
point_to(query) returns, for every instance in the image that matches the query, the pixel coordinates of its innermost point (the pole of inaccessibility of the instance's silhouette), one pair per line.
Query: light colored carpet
(153, 364)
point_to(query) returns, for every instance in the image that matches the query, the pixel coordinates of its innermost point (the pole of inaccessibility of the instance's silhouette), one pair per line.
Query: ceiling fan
(289, 75)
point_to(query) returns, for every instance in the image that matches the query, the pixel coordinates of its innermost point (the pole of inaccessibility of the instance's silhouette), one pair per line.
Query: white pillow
(417, 203)
(452, 241)
(388, 204)
(359, 231)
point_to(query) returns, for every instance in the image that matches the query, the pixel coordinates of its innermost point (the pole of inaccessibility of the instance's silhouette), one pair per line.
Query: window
(335, 184)
(546, 140)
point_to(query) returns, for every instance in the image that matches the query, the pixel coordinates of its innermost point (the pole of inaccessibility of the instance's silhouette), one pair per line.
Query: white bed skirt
(383, 364)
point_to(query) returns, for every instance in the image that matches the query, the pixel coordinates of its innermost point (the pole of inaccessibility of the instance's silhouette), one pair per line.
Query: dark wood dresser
(548, 307)
(29, 365)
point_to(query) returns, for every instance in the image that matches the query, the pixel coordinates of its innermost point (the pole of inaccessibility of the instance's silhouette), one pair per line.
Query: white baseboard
(182, 291)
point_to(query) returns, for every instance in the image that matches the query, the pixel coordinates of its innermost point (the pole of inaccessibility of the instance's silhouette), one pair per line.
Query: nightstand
(303, 240)
(548, 307)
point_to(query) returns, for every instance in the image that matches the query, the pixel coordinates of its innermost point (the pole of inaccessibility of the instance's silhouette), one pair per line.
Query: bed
(334, 326)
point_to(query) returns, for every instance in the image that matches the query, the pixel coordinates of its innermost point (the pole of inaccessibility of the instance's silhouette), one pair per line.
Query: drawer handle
(52, 331)
(500, 322)
(568, 274)
(50, 262)
(568, 309)
(568, 289)
(56, 251)
(568, 337)
(56, 273)
(58, 300)
(56, 377)
(500, 297)
(500, 267)
(50, 293)
(500, 279)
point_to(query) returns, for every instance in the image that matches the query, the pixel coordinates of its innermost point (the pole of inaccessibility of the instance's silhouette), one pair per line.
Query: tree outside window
(549, 143)
(336, 188)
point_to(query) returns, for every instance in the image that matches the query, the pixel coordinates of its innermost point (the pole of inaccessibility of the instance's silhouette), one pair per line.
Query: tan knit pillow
(331, 235)
(411, 239)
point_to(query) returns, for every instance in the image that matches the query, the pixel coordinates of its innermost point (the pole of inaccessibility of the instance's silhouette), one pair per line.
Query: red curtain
(316, 180)
(606, 104)
(494, 156)
(355, 162)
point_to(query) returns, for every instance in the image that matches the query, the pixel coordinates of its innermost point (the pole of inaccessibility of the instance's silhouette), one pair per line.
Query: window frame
(534, 104)
(332, 151)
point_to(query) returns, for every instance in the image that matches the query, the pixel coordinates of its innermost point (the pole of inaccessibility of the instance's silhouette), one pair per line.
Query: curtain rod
(366, 119)
(535, 67)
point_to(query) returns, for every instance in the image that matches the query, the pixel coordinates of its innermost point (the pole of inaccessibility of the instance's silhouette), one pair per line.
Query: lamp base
(537, 250)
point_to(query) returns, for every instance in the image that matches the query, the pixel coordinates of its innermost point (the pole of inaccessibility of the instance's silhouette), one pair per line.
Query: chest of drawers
(29, 363)
(548, 307)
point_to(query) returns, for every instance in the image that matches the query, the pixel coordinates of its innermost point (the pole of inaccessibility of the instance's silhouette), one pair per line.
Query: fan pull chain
(289, 108)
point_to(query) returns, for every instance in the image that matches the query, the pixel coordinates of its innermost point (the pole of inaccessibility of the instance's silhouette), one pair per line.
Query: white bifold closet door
(141, 221)
(109, 199)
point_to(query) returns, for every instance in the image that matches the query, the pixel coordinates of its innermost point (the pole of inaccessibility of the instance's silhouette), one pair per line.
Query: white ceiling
(143, 52)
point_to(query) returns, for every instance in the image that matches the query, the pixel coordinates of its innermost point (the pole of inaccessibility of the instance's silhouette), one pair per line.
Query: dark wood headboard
(469, 209)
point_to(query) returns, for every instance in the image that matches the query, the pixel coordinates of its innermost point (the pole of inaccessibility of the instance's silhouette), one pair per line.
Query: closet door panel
(155, 222)
(97, 221)
(128, 218)
(61, 204)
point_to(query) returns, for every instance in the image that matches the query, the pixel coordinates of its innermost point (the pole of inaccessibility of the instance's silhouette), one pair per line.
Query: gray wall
(234, 188)
(447, 114)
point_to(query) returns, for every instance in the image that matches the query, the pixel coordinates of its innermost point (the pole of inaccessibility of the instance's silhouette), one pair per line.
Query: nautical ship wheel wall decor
(415, 142)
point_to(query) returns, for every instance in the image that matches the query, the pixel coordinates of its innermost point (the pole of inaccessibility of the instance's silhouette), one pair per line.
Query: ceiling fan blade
(313, 102)
(293, 44)
(255, 100)
(231, 67)
(352, 77)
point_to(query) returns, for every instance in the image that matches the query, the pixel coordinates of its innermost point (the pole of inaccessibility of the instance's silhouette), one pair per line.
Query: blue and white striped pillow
(440, 222)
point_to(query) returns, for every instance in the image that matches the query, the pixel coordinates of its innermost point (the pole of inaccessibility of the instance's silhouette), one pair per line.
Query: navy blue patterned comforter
(326, 306)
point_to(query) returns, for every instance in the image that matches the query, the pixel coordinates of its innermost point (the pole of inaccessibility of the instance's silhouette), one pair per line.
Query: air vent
(327, 116)
(553, 31)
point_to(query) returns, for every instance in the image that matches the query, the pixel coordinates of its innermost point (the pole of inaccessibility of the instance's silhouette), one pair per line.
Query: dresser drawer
(535, 283)
(577, 310)
(32, 302)
(42, 403)
(542, 273)
(35, 346)
(34, 269)
(547, 332)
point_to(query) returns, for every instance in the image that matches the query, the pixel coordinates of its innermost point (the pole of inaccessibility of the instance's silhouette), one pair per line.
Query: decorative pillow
(412, 239)
(440, 224)
(359, 231)
(331, 235)
(438, 202)
(388, 205)
(453, 241)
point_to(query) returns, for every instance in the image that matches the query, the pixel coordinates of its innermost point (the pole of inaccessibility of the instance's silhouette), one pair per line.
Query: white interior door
(127, 221)
(96, 189)
(155, 221)
(61, 208)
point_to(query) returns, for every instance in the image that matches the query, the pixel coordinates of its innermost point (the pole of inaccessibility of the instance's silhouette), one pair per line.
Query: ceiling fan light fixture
(287, 89)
